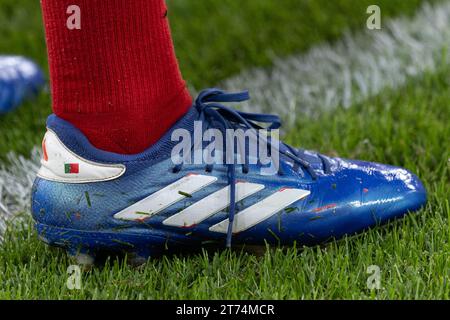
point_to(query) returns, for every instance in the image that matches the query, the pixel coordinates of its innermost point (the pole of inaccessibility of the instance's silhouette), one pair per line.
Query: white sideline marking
(210, 205)
(351, 70)
(165, 197)
(16, 181)
(262, 210)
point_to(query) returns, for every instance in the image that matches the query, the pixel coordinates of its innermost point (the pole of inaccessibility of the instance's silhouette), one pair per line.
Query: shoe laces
(211, 110)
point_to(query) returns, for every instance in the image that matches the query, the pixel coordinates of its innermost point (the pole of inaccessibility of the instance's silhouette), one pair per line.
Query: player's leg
(113, 70)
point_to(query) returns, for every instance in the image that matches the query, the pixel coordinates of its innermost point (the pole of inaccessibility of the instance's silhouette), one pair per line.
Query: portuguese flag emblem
(71, 168)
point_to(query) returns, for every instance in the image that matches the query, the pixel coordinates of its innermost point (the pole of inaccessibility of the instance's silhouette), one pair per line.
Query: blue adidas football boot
(87, 200)
(20, 79)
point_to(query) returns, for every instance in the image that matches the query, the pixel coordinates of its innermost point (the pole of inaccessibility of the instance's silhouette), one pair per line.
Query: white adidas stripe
(165, 197)
(262, 210)
(210, 205)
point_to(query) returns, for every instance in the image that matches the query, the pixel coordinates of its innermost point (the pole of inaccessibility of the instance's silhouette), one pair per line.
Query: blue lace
(209, 106)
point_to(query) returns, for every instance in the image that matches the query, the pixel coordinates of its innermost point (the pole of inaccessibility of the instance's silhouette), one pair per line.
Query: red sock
(117, 78)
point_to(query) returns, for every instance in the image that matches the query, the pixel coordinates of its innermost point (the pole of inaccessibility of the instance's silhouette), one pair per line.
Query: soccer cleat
(88, 200)
(19, 79)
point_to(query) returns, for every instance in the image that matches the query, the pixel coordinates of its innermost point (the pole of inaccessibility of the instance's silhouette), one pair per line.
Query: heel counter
(60, 164)
(60, 194)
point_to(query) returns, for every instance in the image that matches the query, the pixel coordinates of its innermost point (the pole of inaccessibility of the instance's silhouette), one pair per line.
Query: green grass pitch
(408, 127)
